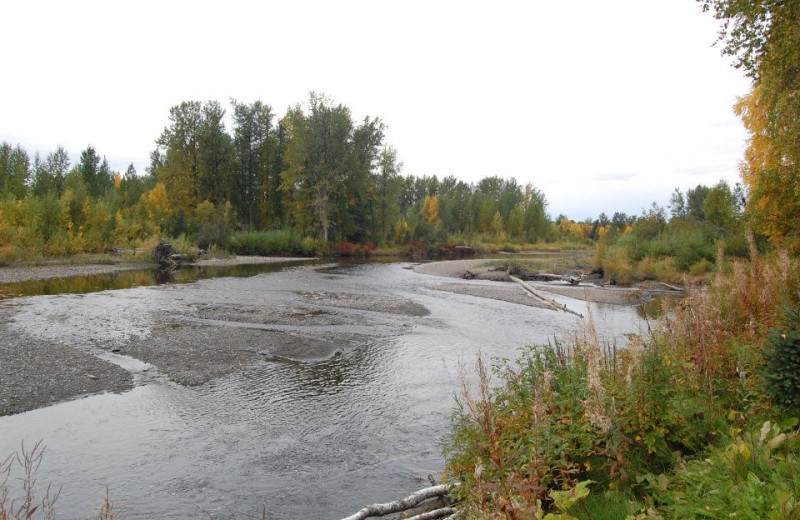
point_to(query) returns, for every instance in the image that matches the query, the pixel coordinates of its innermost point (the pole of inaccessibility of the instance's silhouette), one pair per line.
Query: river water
(302, 440)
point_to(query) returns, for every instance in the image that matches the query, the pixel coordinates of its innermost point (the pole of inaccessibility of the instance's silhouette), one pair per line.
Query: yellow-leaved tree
(762, 36)
(430, 209)
(770, 175)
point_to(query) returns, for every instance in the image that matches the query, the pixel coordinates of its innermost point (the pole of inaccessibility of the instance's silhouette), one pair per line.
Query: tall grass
(274, 242)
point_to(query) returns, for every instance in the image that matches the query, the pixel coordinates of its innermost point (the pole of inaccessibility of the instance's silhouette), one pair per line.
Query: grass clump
(275, 242)
(658, 427)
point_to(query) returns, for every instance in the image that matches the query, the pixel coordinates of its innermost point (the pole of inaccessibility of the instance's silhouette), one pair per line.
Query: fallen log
(547, 301)
(407, 503)
(671, 287)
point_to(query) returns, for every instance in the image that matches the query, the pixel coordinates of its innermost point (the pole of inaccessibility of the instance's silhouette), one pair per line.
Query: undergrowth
(674, 421)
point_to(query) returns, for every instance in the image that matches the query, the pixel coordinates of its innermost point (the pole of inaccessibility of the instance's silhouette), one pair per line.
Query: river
(316, 439)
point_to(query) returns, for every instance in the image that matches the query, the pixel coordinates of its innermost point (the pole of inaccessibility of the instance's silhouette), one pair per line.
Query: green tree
(487, 210)
(132, 187)
(694, 201)
(215, 151)
(317, 158)
(94, 171)
(358, 203)
(177, 160)
(388, 187)
(41, 182)
(537, 222)
(677, 205)
(251, 129)
(720, 207)
(651, 223)
(14, 170)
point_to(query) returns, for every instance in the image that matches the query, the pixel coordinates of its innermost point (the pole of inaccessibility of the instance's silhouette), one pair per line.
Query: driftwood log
(671, 287)
(407, 503)
(547, 301)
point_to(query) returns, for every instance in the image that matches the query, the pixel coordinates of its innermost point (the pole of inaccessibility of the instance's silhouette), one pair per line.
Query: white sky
(604, 106)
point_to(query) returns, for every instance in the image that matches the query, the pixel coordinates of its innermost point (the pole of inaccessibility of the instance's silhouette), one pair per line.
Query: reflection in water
(308, 440)
(162, 276)
(659, 307)
(134, 278)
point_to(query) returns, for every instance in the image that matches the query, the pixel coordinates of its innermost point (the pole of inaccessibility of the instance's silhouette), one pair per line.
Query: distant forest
(314, 173)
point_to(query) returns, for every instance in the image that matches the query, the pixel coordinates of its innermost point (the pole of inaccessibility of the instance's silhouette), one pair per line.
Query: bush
(782, 369)
(701, 268)
(350, 249)
(617, 267)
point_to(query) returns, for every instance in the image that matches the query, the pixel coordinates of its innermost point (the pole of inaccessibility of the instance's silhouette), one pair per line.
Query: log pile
(413, 501)
(166, 255)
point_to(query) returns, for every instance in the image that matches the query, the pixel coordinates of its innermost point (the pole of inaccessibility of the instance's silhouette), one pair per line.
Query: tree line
(315, 171)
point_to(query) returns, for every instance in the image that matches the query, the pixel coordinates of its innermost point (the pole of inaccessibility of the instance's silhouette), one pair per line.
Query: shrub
(782, 369)
(617, 267)
(700, 268)
(355, 250)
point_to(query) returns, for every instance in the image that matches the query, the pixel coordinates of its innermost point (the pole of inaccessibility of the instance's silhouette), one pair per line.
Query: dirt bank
(452, 268)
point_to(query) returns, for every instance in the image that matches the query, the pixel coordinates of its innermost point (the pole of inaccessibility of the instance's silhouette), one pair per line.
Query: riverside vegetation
(698, 420)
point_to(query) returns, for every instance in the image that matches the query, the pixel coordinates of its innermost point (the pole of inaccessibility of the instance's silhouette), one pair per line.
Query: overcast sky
(604, 106)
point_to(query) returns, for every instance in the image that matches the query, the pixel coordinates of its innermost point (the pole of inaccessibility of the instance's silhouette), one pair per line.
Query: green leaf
(566, 499)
